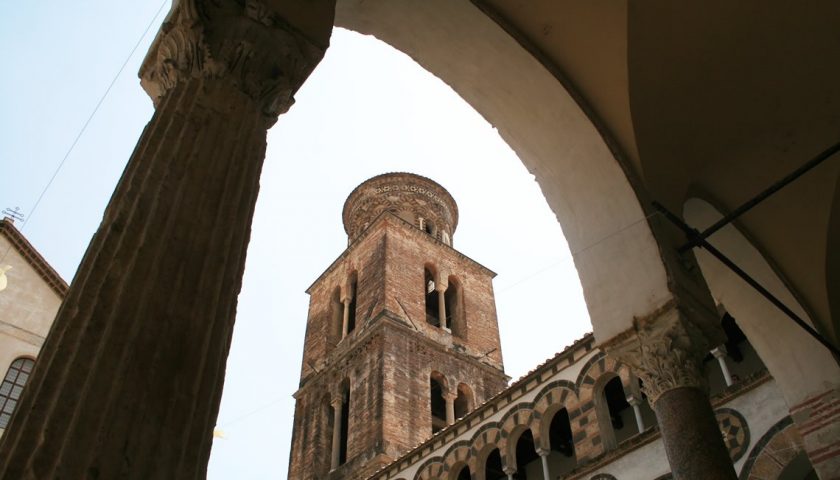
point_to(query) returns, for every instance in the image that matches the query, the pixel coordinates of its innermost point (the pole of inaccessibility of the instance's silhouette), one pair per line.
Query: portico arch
(578, 173)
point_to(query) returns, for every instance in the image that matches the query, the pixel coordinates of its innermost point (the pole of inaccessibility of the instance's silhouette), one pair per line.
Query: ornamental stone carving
(243, 42)
(666, 352)
(413, 198)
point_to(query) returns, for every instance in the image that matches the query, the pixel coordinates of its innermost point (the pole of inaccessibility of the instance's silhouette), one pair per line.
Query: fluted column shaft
(135, 361)
(129, 380)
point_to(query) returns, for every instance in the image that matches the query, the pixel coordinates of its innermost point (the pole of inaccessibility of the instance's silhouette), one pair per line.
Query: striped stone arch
(773, 451)
(457, 455)
(485, 439)
(431, 469)
(513, 423)
(554, 397)
(595, 368)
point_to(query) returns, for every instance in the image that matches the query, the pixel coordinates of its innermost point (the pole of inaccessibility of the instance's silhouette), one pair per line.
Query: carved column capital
(666, 350)
(337, 403)
(245, 43)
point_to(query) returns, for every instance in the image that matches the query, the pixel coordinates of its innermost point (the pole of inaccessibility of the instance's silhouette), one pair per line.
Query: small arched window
(431, 295)
(464, 401)
(353, 293)
(437, 386)
(454, 311)
(12, 386)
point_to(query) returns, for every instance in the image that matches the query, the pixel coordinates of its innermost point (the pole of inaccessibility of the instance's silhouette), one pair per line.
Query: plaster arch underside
(805, 371)
(616, 255)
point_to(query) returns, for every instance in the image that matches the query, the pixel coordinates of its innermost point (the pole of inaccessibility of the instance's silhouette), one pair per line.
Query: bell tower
(401, 336)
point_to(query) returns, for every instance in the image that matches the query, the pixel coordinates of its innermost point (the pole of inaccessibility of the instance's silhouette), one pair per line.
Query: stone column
(129, 380)
(544, 459)
(636, 403)
(667, 351)
(442, 307)
(510, 472)
(337, 405)
(345, 322)
(450, 407)
(720, 354)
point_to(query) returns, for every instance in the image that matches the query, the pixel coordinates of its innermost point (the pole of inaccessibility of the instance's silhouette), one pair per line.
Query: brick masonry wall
(389, 356)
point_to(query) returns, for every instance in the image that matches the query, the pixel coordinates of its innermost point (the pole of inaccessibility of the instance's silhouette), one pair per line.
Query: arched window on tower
(432, 301)
(12, 386)
(562, 456)
(345, 423)
(454, 313)
(337, 316)
(464, 401)
(437, 385)
(353, 293)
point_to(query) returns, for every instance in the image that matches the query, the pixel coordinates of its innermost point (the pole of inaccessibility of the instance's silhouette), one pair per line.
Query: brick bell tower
(401, 336)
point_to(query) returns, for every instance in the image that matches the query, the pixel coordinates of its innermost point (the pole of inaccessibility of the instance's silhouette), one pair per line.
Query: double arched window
(12, 386)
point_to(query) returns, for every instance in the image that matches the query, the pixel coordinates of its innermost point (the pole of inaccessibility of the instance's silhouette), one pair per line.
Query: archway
(582, 181)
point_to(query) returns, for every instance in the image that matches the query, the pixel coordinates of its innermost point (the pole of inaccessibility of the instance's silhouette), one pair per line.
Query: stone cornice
(28, 252)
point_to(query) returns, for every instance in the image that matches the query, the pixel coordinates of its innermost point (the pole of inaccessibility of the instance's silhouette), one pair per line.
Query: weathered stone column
(129, 380)
(510, 472)
(337, 405)
(720, 354)
(442, 307)
(636, 403)
(345, 321)
(667, 352)
(450, 397)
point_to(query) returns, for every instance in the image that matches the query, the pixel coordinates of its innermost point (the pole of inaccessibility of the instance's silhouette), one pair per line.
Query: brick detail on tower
(377, 292)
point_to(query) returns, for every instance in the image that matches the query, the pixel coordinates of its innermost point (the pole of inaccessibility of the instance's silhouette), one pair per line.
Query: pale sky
(367, 109)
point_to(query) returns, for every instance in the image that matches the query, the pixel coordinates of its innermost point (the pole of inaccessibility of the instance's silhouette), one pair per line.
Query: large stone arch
(801, 366)
(536, 115)
(805, 371)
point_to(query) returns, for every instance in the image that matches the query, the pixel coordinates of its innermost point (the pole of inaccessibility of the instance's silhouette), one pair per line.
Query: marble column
(510, 472)
(636, 403)
(720, 354)
(129, 379)
(666, 351)
(544, 460)
(337, 405)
